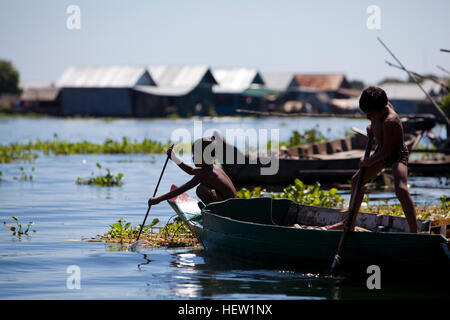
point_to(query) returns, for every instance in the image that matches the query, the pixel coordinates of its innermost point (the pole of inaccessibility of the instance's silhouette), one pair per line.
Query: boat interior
(349, 147)
(284, 212)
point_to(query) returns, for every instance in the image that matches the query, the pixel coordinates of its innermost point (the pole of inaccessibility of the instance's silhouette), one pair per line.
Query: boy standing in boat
(213, 183)
(391, 152)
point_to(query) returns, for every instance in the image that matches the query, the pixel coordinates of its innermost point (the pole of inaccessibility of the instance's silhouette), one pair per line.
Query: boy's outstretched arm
(391, 130)
(185, 167)
(169, 195)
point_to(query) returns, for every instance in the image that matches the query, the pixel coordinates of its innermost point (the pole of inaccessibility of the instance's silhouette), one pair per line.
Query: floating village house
(101, 90)
(408, 98)
(313, 92)
(316, 91)
(40, 98)
(238, 88)
(185, 90)
(135, 90)
(281, 84)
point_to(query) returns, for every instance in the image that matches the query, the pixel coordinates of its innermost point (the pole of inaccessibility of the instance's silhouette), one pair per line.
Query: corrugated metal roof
(328, 82)
(279, 81)
(235, 80)
(179, 75)
(164, 91)
(36, 84)
(40, 94)
(410, 91)
(104, 77)
(176, 80)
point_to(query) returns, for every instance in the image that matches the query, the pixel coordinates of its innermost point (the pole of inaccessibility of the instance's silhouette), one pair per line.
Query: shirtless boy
(391, 151)
(213, 183)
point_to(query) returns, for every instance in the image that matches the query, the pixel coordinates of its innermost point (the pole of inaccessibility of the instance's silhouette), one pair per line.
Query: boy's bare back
(215, 178)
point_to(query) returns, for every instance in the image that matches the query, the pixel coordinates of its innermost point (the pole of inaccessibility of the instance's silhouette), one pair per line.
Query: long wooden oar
(154, 194)
(352, 212)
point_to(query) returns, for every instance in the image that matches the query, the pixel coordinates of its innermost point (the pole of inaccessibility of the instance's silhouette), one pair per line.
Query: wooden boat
(326, 162)
(280, 232)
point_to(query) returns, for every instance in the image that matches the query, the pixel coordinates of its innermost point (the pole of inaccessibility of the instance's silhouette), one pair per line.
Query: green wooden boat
(279, 231)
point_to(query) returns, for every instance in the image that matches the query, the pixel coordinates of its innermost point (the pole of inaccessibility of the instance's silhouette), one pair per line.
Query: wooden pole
(447, 121)
(154, 194)
(352, 213)
(443, 84)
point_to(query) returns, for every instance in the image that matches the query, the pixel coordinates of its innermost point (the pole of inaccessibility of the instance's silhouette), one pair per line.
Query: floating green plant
(107, 180)
(19, 230)
(24, 176)
(309, 136)
(123, 230)
(173, 234)
(300, 193)
(23, 152)
(445, 203)
(14, 152)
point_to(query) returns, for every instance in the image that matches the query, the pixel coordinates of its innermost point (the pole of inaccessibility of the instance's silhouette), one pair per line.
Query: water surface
(63, 212)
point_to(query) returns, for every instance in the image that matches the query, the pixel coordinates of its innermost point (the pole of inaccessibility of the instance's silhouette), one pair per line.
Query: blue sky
(273, 36)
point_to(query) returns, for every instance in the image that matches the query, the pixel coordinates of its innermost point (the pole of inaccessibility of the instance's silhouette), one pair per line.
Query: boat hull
(287, 246)
(256, 240)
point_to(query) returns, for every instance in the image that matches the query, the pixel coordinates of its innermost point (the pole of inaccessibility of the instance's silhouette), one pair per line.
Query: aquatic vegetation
(445, 203)
(24, 151)
(309, 136)
(62, 147)
(19, 230)
(122, 230)
(24, 176)
(107, 180)
(437, 214)
(177, 227)
(312, 195)
(15, 152)
(173, 234)
(257, 192)
(300, 193)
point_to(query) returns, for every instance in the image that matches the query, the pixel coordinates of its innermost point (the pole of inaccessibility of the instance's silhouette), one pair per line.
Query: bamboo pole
(447, 121)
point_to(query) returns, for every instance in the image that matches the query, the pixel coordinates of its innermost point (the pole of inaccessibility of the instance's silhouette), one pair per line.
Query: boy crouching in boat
(213, 183)
(391, 151)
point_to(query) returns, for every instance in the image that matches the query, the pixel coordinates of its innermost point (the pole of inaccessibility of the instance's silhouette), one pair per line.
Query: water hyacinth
(300, 193)
(24, 151)
(172, 234)
(107, 180)
(19, 230)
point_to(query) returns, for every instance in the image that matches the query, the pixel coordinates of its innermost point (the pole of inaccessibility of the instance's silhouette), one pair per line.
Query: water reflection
(198, 275)
(147, 261)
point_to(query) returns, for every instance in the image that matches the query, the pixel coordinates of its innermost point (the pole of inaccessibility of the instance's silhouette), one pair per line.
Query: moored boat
(281, 232)
(333, 161)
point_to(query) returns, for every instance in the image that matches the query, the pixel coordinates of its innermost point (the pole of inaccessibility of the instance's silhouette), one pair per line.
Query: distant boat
(328, 161)
(261, 230)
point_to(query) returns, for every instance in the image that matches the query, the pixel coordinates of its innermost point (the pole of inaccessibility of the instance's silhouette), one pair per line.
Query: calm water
(63, 212)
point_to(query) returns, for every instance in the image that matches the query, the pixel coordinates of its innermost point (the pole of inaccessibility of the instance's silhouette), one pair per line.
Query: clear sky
(273, 36)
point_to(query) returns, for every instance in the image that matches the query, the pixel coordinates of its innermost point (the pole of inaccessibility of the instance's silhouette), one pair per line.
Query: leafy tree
(357, 85)
(9, 78)
(391, 80)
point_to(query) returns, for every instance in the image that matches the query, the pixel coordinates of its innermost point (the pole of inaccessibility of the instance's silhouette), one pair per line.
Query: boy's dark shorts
(400, 154)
